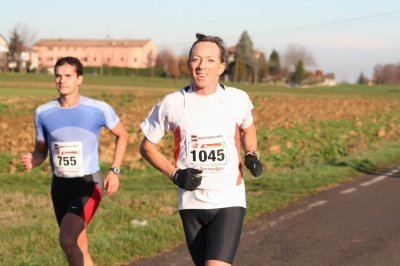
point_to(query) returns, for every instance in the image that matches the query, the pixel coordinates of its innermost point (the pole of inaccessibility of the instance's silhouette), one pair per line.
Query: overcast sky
(346, 37)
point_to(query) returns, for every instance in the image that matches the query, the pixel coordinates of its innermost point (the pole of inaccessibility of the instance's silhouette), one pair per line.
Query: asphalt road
(355, 224)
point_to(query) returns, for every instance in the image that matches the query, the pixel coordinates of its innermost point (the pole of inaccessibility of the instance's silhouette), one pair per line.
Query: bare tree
(258, 64)
(183, 67)
(391, 74)
(27, 34)
(150, 65)
(296, 53)
(173, 68)
(387, 74)
(163, 59)
(378, 74)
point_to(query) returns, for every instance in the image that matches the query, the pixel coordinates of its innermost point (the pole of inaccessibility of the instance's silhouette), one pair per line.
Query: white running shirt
(206, 136)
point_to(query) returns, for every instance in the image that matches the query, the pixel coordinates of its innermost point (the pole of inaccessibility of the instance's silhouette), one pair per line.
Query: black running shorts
(213, 234)
(79, 195)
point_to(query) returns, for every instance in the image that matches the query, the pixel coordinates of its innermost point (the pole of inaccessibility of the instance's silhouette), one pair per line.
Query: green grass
(101, 83)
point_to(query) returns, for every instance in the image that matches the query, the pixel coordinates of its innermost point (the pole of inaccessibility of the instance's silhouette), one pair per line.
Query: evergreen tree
(361, 79)
(274, 63)
(264, 67)
(299, 73)
(15, 48)
(239, 70)
(244, 50)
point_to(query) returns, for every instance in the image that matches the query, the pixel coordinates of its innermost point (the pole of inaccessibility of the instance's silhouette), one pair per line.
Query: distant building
(92, 52)
(3, 53)
(29, 59)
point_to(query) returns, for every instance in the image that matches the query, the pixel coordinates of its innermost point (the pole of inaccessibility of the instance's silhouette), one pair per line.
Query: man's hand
(252, 163)
(27, 161)
(188, 179)
(111, 183)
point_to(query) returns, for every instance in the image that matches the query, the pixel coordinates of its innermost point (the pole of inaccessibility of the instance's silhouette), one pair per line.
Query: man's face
(205, 65)
(67, 81)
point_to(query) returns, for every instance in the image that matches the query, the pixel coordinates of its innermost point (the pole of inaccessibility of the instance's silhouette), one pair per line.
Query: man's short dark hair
(214, 39)
(70, 61)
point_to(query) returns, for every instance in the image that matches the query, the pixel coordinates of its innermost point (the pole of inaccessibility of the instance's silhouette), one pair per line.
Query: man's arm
(248, 138)
(149, 152)
(249, 142)
(35, 158)
(111, 183)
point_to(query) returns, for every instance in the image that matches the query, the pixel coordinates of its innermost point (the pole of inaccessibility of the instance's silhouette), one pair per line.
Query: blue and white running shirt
(72, 134)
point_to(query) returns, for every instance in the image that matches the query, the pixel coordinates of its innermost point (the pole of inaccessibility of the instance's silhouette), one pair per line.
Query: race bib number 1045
(207, 153)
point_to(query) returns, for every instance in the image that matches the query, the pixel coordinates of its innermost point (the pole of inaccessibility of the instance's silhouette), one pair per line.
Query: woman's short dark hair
(214, 39)
(70, 61)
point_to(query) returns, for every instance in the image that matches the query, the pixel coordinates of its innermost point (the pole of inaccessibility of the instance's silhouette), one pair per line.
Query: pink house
(92, 52)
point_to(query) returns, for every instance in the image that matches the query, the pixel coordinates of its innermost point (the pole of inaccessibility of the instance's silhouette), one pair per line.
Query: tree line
(246, 64)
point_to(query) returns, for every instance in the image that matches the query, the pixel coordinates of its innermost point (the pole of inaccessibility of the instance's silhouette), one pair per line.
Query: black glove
(252, 163)
(188, 179)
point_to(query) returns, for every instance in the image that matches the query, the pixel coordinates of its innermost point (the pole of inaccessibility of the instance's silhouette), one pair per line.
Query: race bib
(207, 152)
(68, 159)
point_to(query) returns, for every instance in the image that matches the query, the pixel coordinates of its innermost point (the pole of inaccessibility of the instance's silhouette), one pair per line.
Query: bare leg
(216, 263)
(73, 240)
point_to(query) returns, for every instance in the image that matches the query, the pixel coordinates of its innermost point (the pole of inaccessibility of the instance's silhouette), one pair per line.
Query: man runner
(68, 128)
(209, 123)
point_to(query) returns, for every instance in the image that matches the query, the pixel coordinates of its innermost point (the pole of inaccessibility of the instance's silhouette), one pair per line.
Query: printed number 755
(71, 160)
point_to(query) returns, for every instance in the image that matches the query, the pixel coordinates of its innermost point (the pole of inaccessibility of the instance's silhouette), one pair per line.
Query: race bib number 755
(67, 159)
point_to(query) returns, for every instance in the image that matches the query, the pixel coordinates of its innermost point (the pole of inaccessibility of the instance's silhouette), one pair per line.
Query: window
(39, 58)
(50, 48)
(49, 59)
(84, 59)
(135, 59)
(122, 59)
(94, 59)
(108, 59)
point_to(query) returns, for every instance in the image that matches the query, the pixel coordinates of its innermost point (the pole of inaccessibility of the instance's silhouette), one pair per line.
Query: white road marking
(380, 178)
(270, 224)
(394, 171)
(348, 191)
(376, 179)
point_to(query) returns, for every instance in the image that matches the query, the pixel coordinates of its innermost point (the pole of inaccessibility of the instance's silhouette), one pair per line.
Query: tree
(15, 49)
(274, 65)
(150, 59)
(387, 74)
(21, 36)
(264, 67)
(183, 67)
(299, 73)
(295, 53)
(258, 63)
(245, 51)
(362, 79)
(378, 74)
(239, 70)
(173, 68)
(163, 59)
